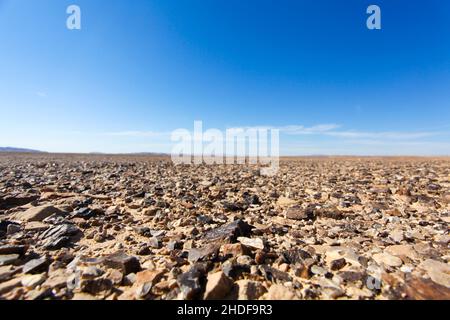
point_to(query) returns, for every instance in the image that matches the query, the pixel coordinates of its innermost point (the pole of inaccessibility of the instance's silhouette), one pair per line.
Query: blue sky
(139, 69)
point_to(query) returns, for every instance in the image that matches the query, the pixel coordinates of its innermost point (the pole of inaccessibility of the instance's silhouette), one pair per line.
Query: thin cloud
(41, 94)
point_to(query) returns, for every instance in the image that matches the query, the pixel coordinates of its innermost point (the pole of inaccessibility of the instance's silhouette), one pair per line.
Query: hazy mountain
(12, 149)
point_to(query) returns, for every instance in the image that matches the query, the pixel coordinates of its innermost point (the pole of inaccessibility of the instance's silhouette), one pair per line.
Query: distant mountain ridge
(12, 149)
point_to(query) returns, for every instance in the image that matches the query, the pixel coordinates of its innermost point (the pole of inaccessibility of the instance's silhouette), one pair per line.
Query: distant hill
(12, 149)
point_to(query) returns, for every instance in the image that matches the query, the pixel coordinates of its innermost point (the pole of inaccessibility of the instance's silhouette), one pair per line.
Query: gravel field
(138, 227)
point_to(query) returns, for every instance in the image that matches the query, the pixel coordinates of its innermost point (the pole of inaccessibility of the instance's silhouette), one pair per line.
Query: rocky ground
(136, 227)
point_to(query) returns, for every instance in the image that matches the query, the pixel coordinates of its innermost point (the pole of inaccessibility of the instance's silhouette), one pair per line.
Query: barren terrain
(137, 227)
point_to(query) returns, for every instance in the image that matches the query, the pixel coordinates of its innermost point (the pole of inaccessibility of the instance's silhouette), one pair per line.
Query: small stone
(12, 229)
(33, 281)
(250, 290)
(154, 243)
(192, 281)
(318, 270)
(209, 252)
(280, 292)
(396, 235)
(387, 259)
(244, 260)
(145, 280)
(7, 259)
(229, 232)
(36, 265)
(338, 264)
(123, 262)
(217, 286)
(298, 213)
(255, 243)
(234, 249)
(403, 252)
(174, 245)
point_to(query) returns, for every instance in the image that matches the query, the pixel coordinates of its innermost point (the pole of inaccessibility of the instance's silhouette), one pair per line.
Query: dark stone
(234, 270)
(192, 282)
(295, 256)
(143, 231)
(122, 261)
(209, 252)
(36, 265)
(351, 276)
(229, 232)
(205, 219)
(251, 199)
(274, 275)
(85, 213)
(175, 245)
(338, 264)
(4, 225)
(232, 207)
(96, 286)
(59, 236)
(13, 249)
(15, 201)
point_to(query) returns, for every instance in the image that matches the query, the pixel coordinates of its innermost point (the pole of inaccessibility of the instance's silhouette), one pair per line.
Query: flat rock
(37, 213)
(123, 262)
(387, 259)
(255, 243)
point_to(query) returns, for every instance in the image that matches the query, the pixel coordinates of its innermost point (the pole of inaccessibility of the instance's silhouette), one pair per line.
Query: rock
(387, 259)
(318, 270)
(274, 275)
(16, 201)
(280, 292)
(396, 235)
(250, 290)
(58, 236)
(229, 232)
(7, 259)
(338, 264)
(254, 243)
(295, 256)
(425, 289)
(403, 252)
(35, 226)
(13, 229)
(36, 265)
(97, 286)
(145, 280)
(13, 249)
(123, 262)
(298, 213)
(9, 285)
(234, 249)
(33, 281)
(209, 252)
(174, 245)
(217, 286)
(191, 282)
(439, 272)
(38, 213)
(285, 202)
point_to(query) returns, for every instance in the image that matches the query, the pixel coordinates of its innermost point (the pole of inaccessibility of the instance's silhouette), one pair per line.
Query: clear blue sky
(140, 69)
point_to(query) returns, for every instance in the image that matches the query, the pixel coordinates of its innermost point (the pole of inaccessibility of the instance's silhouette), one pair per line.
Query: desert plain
(135, 227)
